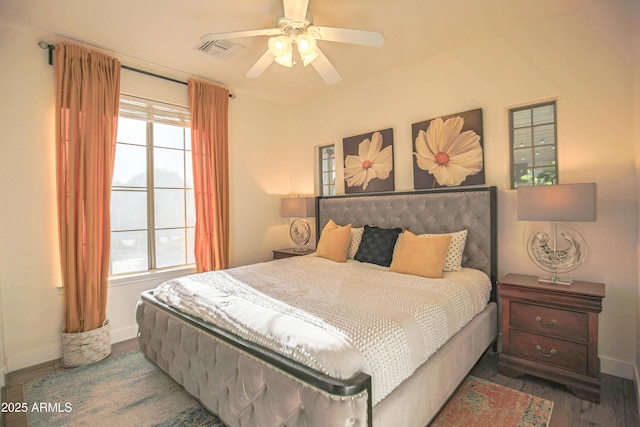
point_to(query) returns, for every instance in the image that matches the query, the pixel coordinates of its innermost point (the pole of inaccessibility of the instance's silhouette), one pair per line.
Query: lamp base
(557, 256)
(300, 232)
(555, 281)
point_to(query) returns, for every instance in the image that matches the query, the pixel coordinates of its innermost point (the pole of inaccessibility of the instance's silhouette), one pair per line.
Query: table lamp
(557, 203)
(299, 208)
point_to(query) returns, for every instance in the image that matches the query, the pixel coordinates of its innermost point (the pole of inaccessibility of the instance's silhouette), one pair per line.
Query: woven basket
(82, 348)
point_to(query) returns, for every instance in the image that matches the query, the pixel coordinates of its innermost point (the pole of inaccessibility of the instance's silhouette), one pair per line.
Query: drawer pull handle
(551, 353)
(551, 324)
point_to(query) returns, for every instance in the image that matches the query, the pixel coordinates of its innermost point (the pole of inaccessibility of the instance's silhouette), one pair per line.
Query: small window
(533, 145)
(327, 170)
(152, 201)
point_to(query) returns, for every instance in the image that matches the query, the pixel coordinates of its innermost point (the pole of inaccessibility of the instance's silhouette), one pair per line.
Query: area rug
(123, 390)
(481, 403)
(128, 390)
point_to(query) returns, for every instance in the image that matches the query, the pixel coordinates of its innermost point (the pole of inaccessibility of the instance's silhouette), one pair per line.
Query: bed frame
(248, 385)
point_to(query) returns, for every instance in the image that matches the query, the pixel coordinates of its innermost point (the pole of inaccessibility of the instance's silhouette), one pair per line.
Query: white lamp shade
(280, 48)
(286, 60)
(280, 45)
(563, 202)
(308, 59)
(306, 44)
(298, 207)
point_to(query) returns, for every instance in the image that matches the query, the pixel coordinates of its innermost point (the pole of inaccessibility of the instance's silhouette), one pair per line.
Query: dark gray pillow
(377, 245)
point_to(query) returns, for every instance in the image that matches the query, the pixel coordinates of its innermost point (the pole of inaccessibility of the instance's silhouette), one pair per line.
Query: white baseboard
(3, 372)
(47, 354)
(32, 358)
(636, 383)
(617, 368)
(124, 334)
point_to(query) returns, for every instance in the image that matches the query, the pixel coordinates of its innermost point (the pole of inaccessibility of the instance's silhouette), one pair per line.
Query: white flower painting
(448, 151)
(368, 162)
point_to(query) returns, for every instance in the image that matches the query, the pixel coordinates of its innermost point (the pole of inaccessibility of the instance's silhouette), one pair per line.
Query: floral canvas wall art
(448, 151)
(368, 162)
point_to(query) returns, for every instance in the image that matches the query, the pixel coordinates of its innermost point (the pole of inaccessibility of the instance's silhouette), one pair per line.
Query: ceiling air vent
(223, 49)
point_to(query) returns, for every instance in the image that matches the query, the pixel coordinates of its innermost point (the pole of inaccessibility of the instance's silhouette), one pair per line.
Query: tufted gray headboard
(433, 211)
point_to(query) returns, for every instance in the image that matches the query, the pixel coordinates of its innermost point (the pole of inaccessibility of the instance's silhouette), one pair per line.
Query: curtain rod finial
(50, 47)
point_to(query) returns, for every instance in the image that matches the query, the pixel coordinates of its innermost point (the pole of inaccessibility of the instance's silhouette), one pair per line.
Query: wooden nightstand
(551, 331)
(290, 252)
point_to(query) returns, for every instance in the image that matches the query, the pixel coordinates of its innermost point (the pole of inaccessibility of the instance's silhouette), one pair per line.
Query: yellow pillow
(421, 256)
(334, 242)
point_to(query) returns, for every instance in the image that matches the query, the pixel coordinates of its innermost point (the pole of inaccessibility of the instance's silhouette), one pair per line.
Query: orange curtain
(87, 97)
(209, 105)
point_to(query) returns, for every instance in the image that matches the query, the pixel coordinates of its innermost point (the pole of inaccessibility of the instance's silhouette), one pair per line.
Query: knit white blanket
(336, 318)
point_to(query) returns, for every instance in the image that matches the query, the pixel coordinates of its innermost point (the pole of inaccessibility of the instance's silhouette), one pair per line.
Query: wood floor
(618, 407)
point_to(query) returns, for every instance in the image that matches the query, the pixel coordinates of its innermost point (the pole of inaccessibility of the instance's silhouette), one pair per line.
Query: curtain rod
(50, 47)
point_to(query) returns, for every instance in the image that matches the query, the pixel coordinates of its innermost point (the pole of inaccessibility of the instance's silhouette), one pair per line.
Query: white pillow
(453, 262)
(356, 238)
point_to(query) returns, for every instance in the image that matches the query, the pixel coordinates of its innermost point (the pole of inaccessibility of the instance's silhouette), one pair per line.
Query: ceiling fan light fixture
(306, 44)
(280, 48)
(286, 60)
(295, 26)
(308, 59)
(307, 47)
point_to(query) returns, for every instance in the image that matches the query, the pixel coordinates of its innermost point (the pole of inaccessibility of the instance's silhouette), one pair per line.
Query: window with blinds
(152, 205)
(136, 108)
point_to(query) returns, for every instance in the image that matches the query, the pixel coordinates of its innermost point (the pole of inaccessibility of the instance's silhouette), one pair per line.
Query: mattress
(337, 318)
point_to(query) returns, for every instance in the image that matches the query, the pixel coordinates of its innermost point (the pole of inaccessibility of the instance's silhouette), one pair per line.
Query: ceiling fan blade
(295, 10)
(240, 34)
(346, 35)
(326, 69)
(259, 67)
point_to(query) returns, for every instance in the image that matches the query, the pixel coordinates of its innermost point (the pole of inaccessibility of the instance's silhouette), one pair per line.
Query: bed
(248, 380)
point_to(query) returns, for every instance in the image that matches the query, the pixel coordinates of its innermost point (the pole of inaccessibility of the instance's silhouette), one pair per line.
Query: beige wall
(581, 59)
(31, 305)
(259, 149)
(636, 138)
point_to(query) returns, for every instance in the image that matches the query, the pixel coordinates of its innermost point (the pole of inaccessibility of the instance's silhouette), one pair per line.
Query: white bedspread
(336, 318)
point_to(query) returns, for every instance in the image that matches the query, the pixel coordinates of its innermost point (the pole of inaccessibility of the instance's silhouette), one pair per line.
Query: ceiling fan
(295, 26)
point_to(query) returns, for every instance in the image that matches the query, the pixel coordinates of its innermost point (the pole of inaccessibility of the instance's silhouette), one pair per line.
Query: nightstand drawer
(548, 350)
(549, 321)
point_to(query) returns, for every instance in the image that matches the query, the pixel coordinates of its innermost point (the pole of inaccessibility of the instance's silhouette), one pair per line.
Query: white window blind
(136, 108)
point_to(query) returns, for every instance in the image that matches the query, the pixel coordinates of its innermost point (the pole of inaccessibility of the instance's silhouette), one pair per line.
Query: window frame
(322, 185)
(159, 113)
(551, 178)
